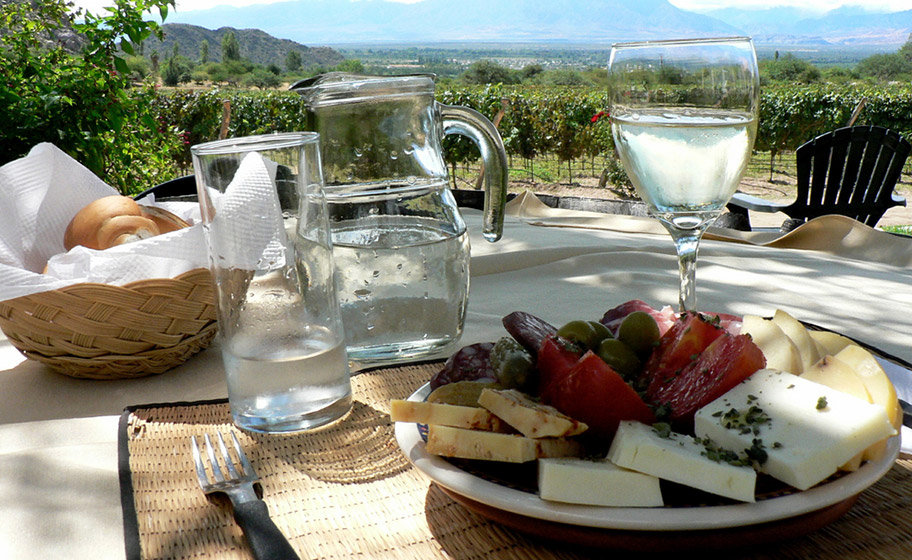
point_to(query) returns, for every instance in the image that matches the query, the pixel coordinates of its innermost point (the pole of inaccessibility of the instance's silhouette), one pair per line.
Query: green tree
(530, 71)
(561, 77)
(886, 66)
(83, 102)
(231, 50)
(487, 72)
(171, 76)
(140, 68)
(293, 61)
(350, 65)
(789, 68)
(204, 52)
(261, 78)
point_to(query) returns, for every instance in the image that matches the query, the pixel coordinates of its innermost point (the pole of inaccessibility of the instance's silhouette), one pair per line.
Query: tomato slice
(594, 393)
(729, 360)
(680, 346)
(556, 357)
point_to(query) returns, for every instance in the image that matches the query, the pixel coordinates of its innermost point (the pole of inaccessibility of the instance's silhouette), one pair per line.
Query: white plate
(528, 504)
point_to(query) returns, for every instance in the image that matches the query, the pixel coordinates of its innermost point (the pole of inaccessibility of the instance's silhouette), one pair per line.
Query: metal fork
(250, 511)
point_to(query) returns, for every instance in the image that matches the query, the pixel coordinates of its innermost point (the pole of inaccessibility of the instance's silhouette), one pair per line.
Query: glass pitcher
(400, 246)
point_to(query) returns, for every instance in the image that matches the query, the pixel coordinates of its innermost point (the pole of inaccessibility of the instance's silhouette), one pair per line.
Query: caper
(639, 331)
(463, 393)
(620, 357)
(580, 332)
(511, 363)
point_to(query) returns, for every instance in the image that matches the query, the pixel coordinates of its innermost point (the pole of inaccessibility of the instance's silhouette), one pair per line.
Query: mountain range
(255, 45)
(336, 22)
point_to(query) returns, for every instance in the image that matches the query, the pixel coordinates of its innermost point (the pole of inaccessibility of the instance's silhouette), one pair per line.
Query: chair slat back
(850, 171)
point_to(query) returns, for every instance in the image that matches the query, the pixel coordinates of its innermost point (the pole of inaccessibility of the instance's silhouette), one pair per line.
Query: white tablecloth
(59, 493)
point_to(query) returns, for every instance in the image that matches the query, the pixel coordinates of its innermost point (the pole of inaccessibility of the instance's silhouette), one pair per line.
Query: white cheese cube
(806, 429)
(679, 458)
(596, 483)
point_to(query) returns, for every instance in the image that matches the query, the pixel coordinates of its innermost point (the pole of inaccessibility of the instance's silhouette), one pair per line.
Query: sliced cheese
(596, 483)
(836, 374)
(798, 334)
(458, 416)
(875, 380)
(879, 387)
(778, 349)
(489, 446)
(531, 419)
(679, 458)
(811, 430)
(831, 342)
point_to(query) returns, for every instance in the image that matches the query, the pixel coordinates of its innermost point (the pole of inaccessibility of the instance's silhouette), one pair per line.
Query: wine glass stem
(687, 243)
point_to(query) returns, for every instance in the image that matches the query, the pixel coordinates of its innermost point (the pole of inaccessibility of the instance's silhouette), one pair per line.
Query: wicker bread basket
(99, 331)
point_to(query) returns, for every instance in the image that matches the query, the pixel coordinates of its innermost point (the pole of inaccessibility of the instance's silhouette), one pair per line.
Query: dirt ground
(779, 190)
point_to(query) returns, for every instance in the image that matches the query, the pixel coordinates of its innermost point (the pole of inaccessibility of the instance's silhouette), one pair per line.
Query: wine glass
(684, 119)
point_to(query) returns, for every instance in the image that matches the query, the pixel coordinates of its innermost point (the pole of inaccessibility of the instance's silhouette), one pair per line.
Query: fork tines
(244, 471)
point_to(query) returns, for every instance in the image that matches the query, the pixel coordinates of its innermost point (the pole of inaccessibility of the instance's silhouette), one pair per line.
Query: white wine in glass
(684, 119)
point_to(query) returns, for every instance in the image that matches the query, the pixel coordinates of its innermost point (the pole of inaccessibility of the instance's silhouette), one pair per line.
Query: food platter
(672, 527)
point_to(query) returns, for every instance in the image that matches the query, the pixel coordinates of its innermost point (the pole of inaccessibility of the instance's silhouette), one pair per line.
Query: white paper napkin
(248, 231)
(39, 195)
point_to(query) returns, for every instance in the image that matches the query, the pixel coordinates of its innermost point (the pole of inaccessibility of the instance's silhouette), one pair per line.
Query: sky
(696, 5)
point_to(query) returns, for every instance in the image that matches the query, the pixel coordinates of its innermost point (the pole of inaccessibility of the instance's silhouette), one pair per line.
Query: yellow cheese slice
(469, 417)
(531, 419)
(778, 349)
(489, 446)
(798, 334)
(879, 387)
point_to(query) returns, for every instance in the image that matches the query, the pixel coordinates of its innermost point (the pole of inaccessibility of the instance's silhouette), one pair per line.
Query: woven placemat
(348, 492)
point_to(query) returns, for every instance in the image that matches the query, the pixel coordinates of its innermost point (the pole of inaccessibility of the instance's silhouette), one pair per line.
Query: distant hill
(339, 22)
(848, 25)
(437, 21)
(256, 46)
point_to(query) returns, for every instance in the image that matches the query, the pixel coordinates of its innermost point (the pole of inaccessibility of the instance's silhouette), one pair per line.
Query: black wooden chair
(850, 171)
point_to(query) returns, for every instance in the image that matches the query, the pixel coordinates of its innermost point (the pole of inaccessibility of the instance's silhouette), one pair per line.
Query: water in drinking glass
(300, 379)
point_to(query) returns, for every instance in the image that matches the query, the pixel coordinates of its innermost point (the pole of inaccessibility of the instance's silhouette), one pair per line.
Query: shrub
(82, 101)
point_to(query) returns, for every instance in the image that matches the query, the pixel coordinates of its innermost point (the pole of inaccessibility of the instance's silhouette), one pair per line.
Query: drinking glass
(684, 119)
(267, 229)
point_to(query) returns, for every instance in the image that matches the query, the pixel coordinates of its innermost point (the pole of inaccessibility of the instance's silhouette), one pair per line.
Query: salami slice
(470, 363)
(528, 330)
(664, 317)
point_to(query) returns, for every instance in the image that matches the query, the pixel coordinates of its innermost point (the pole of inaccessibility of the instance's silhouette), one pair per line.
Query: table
(59, 493)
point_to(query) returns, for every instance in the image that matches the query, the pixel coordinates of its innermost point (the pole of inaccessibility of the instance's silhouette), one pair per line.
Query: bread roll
(114, 220)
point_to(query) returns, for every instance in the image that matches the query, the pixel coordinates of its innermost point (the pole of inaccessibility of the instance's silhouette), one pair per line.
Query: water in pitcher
(403, 285)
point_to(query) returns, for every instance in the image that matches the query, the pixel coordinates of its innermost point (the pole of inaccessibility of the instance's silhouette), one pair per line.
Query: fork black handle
(266, 541)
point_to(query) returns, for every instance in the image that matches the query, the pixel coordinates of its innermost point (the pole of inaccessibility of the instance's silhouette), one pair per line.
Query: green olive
(512, 364)
(580, 332)
(639, 331)
(463, 393)
(601, 333)
(620, 357)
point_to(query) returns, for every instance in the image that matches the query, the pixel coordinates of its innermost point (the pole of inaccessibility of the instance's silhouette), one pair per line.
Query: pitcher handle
(471, 123)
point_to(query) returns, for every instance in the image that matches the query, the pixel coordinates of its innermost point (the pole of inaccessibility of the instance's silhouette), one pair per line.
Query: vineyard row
(566, 123)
